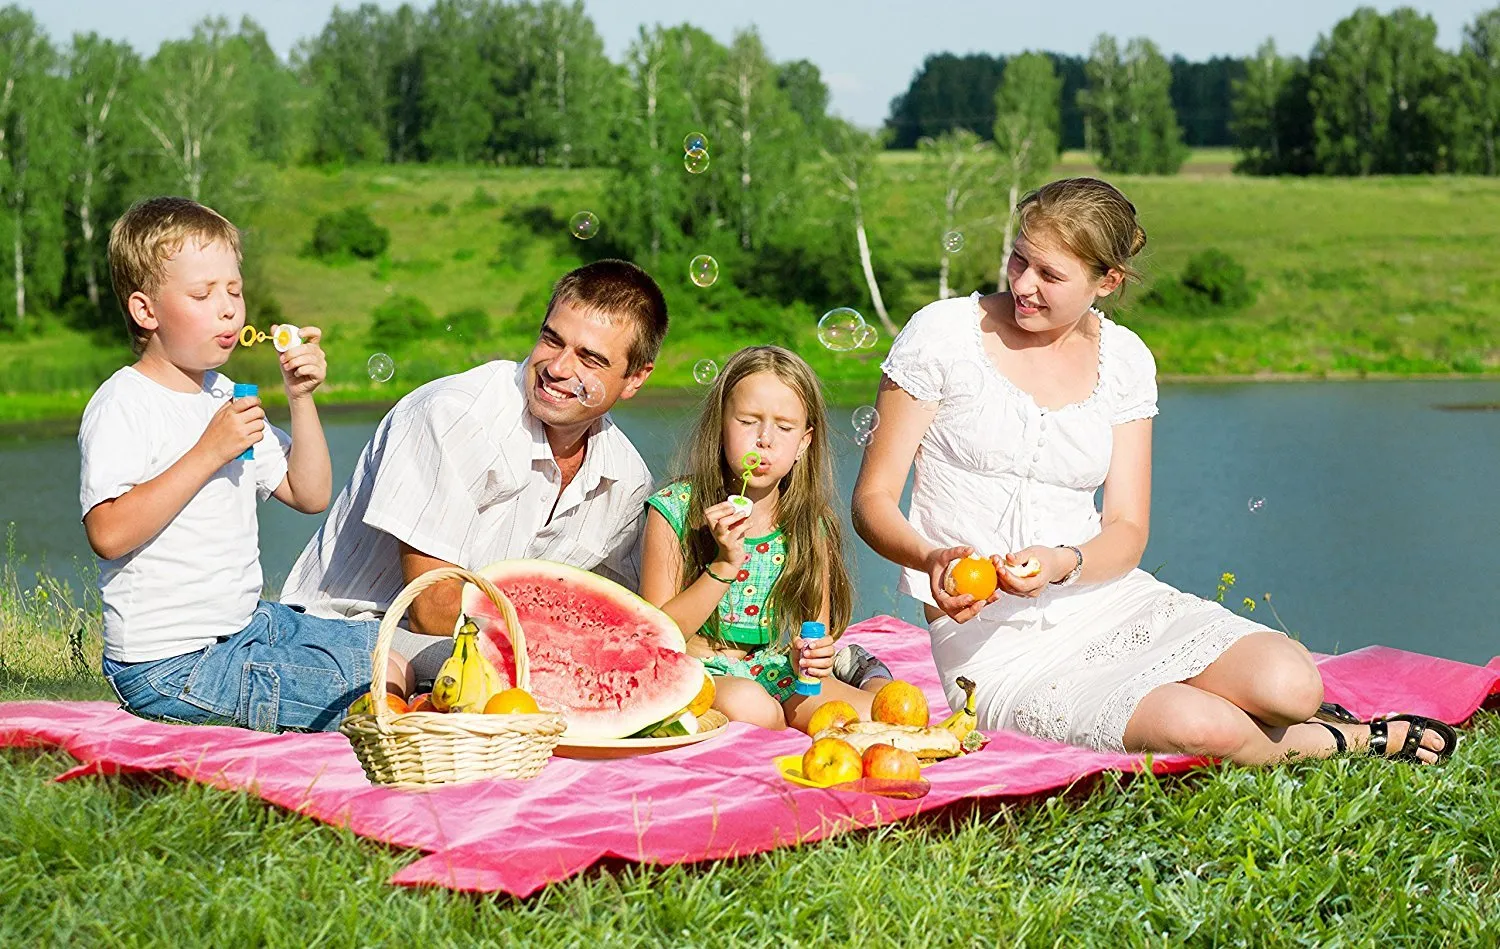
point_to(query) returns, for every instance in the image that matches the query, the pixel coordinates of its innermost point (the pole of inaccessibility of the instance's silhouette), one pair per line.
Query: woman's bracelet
(723, 580)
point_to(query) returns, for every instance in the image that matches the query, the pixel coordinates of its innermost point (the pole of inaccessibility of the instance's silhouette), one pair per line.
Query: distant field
(1356, 276)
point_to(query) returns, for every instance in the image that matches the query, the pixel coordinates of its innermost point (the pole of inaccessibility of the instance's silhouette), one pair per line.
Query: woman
(1015, 408)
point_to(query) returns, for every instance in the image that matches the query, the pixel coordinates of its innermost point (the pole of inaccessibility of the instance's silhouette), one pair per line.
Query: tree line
(783, 194)
(1375, 95)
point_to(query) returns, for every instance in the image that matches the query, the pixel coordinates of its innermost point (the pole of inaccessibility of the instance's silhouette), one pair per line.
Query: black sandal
(1416, 730)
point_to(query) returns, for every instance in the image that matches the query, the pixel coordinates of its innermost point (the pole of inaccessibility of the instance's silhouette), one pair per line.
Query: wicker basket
(427, 749)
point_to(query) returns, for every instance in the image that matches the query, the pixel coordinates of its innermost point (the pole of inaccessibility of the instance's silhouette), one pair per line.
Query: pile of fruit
(466, 682)
(894, 746)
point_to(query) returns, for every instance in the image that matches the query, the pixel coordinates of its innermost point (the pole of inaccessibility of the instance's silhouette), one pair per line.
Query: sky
(867, 50)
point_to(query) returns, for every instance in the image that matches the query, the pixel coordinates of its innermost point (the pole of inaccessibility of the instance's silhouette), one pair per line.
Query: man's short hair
(151, 233)
(620, 290)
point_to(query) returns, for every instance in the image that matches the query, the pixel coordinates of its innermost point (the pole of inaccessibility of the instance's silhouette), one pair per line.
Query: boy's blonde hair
(151, 233)
(812, 531)
(1090, 219)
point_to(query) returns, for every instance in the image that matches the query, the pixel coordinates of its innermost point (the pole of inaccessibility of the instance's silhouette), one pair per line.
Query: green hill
(1353, 276)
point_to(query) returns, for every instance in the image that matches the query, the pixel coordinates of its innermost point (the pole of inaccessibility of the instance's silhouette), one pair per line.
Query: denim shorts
(284, 671)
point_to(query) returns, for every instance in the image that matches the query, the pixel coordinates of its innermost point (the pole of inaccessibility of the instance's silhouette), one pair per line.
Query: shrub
(350, 232)
(1212, 280)
(469, 323)
(401, 319)
(438, 208)
(480, 200)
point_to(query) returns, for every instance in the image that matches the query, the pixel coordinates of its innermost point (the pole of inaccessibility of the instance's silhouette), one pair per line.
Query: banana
(963, 721)
(466, 679)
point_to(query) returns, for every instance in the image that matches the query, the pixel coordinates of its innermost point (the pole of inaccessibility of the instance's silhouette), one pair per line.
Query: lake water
(1379, 522)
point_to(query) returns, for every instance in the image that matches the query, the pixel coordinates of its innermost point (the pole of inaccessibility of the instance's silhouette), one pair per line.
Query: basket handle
(403, 601)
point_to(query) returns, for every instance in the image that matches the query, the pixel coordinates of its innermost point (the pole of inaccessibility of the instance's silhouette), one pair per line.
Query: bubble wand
(283, 336)
(741, 503)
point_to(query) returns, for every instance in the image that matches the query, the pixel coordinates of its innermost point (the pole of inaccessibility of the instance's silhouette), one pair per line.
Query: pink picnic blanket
(721, 798)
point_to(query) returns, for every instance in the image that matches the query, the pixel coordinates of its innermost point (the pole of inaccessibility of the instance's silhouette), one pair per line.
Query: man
(503, 461)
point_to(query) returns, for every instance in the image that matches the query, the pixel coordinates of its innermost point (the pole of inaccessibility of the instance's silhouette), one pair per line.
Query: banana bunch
(466, 679)
(964, 723)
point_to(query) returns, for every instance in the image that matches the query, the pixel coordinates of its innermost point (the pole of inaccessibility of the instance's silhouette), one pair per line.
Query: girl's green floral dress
(745, 618)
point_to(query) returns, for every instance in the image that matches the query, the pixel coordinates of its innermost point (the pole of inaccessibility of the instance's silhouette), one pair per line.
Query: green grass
(1356, 277)
(1347, 852)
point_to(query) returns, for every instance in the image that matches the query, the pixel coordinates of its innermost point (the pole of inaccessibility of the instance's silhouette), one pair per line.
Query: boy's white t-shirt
(199, 579)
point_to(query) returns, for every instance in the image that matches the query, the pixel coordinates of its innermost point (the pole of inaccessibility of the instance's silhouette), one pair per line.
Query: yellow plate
(711, 724)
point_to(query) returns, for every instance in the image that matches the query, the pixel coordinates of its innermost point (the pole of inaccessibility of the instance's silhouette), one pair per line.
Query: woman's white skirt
(1073, 665)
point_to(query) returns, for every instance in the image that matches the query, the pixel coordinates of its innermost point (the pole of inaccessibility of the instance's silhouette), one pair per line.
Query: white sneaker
(856, 665)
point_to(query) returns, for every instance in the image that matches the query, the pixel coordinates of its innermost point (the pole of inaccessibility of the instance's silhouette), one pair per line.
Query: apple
(831, 715)
(900, 703)
(890, 763)
(832, 761)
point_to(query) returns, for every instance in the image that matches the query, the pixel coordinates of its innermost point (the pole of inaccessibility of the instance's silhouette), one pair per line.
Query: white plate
(711, 724)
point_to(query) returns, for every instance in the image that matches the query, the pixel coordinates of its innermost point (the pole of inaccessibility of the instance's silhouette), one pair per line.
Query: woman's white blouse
(996, 471)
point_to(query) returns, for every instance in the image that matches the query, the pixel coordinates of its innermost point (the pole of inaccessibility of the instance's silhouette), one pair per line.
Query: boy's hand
(239, 424)
(303, 368)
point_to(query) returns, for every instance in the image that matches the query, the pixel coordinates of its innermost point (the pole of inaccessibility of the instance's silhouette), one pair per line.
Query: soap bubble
(584, 225)
(866, 336)
(705, 371)
(381, 367)
(1256, 504)
(695, 160)
(695, 142)
(865, 419)
(839, 329)
(703, 270)
(863, 438)
(953, 241)
(590, 391)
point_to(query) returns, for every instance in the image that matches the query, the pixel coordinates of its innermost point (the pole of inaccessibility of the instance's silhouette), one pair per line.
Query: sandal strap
(1340, 745)
(1334, 712)
(1417, 727)
(1379, 736)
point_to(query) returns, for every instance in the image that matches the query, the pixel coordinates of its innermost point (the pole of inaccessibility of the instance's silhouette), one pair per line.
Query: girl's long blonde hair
(805, 512)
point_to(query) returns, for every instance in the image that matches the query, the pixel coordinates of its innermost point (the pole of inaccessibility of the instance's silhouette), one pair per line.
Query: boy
(169, 499)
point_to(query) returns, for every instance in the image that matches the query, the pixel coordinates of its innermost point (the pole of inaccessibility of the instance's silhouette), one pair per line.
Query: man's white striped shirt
(461, 471)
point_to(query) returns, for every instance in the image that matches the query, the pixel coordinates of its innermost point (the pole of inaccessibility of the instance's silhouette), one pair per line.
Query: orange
(974, 575)
(365, 705)
(832, 761)
(900, 703)
(422, 703)
(705, 699)
(511, 702)
(830, 715)
(891, 764)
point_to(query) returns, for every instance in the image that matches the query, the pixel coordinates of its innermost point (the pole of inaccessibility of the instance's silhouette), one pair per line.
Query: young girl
(742, 585)
(1015, 408)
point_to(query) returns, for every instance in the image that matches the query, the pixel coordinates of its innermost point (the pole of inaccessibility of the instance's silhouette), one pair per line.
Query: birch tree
(191, 106)
(758, 131)
(98, 72)
(966, 166)
(852, 158)
(1028, 121)
(1478, 75)
(32, 156)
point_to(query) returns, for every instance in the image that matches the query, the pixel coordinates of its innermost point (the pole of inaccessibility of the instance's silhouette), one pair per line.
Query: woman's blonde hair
(1089, 219)
(805, 511)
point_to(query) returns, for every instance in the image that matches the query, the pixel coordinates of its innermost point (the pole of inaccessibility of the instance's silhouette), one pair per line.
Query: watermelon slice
(608, 660)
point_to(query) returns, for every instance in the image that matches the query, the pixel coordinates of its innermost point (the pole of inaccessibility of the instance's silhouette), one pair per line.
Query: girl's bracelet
(724, 580)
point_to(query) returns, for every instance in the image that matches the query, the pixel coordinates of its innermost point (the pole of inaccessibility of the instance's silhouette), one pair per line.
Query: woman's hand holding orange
(961, 607)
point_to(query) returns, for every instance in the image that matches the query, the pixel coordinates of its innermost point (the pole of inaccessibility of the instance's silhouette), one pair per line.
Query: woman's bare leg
(1269, 676)
(1179, 717)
